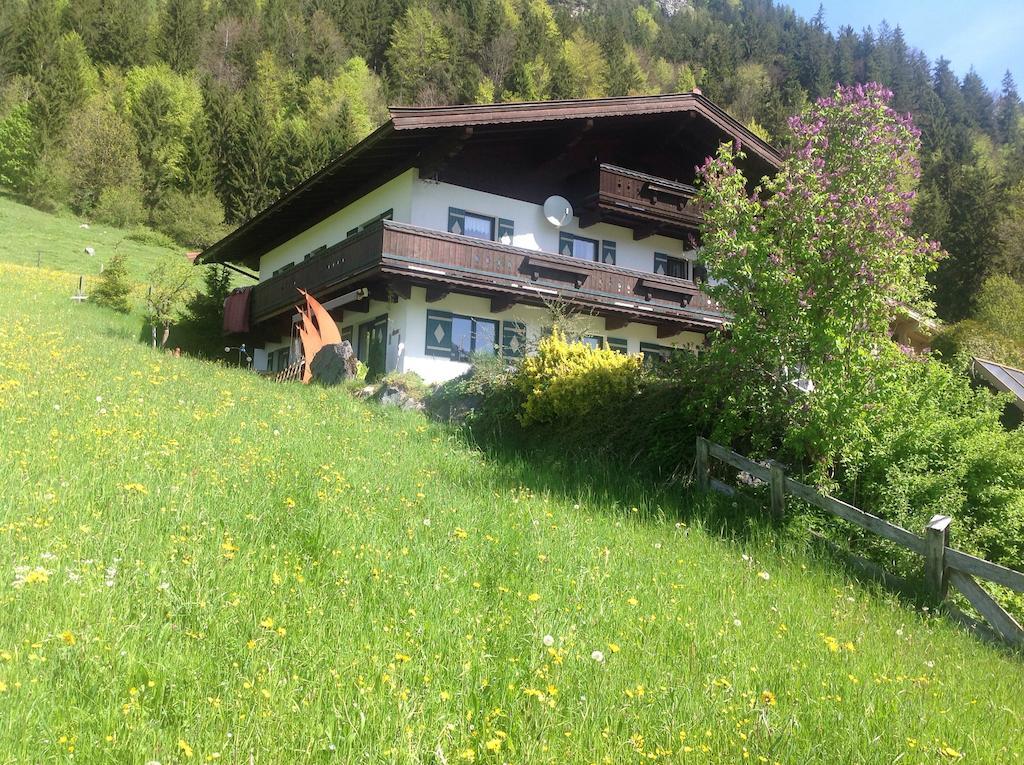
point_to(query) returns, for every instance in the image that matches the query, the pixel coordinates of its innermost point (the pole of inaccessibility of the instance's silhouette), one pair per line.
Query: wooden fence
(942, 564)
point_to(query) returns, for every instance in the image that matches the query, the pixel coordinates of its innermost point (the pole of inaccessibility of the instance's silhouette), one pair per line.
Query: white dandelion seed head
(737, 623)
(765, 575)
(426, 521)
(548, 641)
(597, 656)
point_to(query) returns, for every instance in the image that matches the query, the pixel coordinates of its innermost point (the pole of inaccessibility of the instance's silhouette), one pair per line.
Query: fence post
(936, 540)
(702, 465)
(777, 482)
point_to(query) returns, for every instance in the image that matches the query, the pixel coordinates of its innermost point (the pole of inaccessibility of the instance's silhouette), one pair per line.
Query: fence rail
(943, 565)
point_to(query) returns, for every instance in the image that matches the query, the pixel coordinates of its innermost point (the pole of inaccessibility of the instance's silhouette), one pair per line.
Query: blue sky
(985, 34)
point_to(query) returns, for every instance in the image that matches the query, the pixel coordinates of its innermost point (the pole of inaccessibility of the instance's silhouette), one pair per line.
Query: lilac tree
(812, 265)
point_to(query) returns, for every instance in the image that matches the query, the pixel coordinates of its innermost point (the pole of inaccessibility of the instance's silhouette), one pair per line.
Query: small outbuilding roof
(1002, 378)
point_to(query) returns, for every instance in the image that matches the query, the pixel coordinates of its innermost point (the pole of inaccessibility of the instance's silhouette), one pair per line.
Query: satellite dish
(558, 211)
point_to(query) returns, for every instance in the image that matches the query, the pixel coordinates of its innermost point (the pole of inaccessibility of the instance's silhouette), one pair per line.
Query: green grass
(198, 563)
(31, 237)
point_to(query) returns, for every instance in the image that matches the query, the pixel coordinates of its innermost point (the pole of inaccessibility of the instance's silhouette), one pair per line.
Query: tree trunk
(154, 335)
(167, 333)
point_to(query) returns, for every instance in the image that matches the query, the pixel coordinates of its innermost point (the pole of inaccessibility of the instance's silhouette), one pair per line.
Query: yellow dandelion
(768, 698)
(614, 647)
(68, 637)
(185, 749)
(533, 597)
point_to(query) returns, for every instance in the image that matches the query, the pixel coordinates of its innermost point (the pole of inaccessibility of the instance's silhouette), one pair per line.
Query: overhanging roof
(683, 127)
(1002, 378)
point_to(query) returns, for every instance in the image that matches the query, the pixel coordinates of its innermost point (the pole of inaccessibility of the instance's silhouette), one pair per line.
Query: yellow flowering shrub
(569, 379)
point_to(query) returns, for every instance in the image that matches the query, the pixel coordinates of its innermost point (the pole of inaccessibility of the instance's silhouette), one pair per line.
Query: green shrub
(193, 220)
(567, 380)
(113, 286)
(485, 397)
(16, 148)
(144, 235)
(409, 383)
(120, 206)
(972, 338)
(930, 443)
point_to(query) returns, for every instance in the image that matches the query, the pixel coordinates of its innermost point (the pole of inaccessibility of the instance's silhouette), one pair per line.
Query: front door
(373, 346)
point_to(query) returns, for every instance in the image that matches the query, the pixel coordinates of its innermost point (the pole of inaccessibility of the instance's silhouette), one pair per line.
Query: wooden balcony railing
(389, 250)
(646, 203)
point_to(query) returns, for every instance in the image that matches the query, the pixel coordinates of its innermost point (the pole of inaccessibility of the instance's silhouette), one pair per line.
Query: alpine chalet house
(450, 231)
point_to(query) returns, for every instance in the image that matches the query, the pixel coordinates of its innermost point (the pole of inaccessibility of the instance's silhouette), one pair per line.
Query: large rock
(334, 364)
(390, 395)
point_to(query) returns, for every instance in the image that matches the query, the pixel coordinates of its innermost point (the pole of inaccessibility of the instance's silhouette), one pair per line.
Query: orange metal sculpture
(316, 330)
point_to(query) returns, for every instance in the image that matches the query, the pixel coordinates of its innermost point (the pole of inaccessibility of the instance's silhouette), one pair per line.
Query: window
(478, 227)
(346, 334)
(472, 335)
(574, 246)
(457, 337)
(656, 354)
(592, 341)
(670, 266)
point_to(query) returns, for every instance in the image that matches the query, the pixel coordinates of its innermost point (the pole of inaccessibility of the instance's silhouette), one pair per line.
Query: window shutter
(618, 344)
(608, 252)
(513, 339)
(456, 220)
(660, 263)
(439, 334)
(506, 228)
(565, 244)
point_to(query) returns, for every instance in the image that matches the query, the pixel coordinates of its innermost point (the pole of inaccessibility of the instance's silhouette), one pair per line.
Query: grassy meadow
(199, 565)
(34, 238)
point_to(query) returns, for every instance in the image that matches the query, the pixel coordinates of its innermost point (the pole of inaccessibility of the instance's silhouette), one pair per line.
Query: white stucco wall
(395, 195)
(412, 314)
(431, 200)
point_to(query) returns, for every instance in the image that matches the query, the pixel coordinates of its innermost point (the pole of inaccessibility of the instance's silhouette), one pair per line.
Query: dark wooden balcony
(391, 253)
(645, 203)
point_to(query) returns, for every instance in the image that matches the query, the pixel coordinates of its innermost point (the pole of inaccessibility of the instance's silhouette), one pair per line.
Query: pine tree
(972, 240)
(978, 102)
(1009, 109)
(622, 75)
(115, 31)
(114, 287)
(181, 28)
(198, 168)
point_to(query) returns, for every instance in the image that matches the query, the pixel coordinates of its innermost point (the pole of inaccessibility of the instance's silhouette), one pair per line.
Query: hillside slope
(199, 564)
(32, 237)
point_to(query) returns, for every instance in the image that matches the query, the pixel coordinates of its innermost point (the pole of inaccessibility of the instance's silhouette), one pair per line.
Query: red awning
(236, 310)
